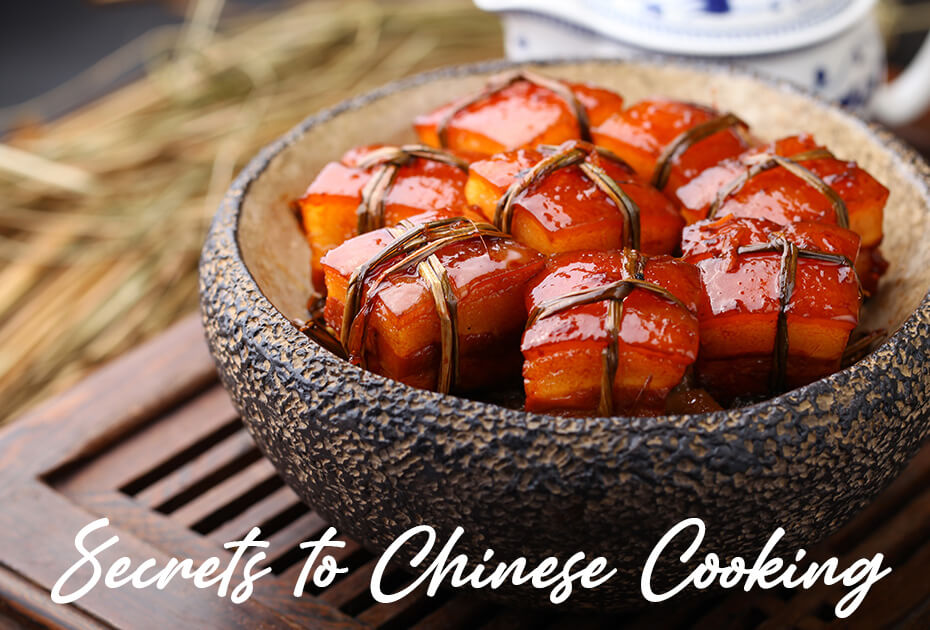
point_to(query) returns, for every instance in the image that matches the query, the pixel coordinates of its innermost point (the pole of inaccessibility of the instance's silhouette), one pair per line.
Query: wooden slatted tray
(153, 443)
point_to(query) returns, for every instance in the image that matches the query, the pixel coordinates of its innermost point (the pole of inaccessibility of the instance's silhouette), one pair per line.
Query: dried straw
(103, 213)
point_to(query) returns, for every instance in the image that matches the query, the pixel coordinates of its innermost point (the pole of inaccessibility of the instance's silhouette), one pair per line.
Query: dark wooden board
(153, 443)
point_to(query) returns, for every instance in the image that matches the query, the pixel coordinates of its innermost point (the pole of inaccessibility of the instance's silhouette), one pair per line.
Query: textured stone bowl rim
(861, 376)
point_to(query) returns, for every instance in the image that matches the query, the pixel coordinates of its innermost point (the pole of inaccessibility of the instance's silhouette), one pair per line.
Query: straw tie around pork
(574, 153)
(414, 246)
(615, 293)
(388, 161)
(686, 139)
(766, 162)
(504, 80)
(787, 278)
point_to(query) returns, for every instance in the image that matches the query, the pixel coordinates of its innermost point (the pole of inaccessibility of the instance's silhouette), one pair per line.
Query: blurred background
(122, 122)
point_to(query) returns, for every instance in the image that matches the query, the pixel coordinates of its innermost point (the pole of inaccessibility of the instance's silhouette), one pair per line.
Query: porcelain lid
(702, 27)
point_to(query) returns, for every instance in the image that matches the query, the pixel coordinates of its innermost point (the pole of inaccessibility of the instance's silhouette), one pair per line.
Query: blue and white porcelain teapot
(832, 47)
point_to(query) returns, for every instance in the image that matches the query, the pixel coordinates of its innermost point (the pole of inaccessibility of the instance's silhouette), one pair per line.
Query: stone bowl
(377, 457)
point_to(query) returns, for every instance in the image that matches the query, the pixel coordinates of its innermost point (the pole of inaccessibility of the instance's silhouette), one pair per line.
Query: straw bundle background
(102, 214)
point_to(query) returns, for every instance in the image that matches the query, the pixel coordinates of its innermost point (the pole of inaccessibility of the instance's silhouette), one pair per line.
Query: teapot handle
(908, 96)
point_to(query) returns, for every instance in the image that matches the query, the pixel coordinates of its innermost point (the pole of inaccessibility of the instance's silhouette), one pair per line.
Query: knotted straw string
(415, 245)
(686, 140)
(569, 154)
(437, 279)
(615, 292)
(787, 278)
(791, 164)
(503, 80)
(370, 211)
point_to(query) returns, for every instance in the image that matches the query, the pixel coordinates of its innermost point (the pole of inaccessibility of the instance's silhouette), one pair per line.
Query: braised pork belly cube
(377, 186)
(780, 195)
(671, 142)
(609, 333)
(517, 110)
(566, 209)
(779, 303)
(397, 328)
